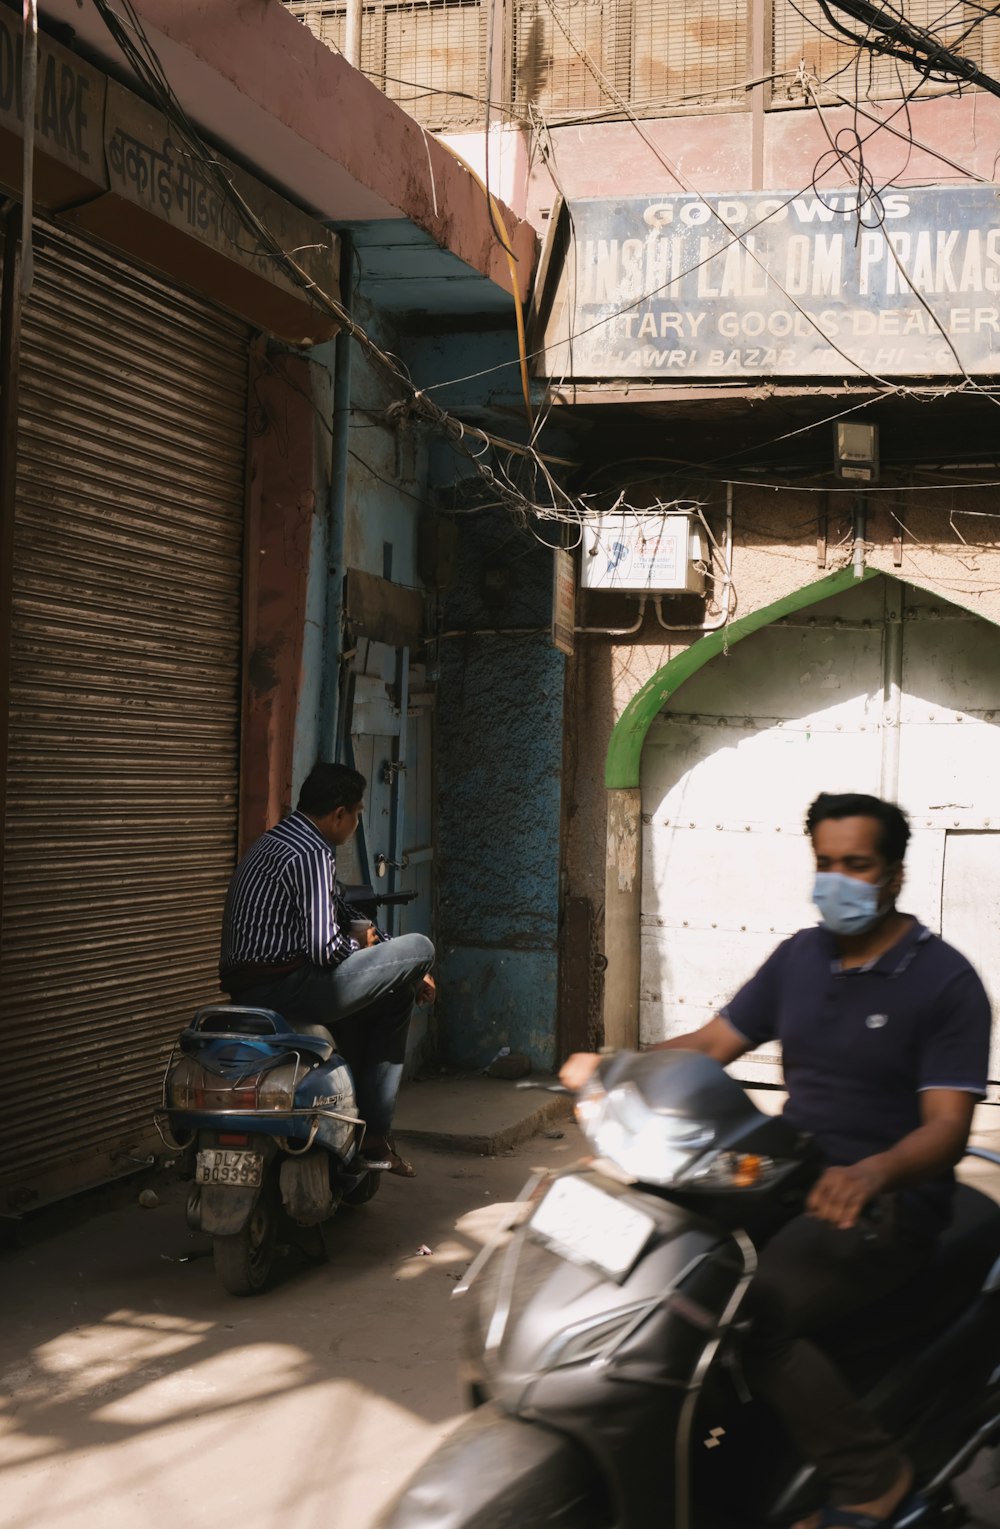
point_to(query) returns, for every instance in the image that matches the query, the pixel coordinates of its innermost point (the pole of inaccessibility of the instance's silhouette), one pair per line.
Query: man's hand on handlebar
(578, 1069)
(840, 1195)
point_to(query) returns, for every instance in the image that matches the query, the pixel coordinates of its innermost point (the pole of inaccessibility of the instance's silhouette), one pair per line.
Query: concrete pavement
(135, 1394)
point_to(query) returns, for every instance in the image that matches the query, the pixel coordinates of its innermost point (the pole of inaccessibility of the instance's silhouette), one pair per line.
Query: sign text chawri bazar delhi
(782, 284)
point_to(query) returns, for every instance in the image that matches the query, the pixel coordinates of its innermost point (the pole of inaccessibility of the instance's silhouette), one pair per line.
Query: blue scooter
(271, 1118)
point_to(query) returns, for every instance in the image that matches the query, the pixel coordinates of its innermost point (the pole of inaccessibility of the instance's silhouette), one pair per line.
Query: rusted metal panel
(443, 46)
(383, 611)
(610, 57)
(9, 350)
(123, 769)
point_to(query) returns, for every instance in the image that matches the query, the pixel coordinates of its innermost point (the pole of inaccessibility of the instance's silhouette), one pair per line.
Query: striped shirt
(284, 901)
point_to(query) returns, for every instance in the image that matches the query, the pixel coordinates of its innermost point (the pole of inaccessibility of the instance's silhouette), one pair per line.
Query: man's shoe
(381, 1156)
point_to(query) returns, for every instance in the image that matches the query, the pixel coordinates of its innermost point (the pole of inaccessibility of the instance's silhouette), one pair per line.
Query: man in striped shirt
(287, 945)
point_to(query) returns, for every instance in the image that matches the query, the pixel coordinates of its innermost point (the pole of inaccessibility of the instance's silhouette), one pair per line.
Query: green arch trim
(621, 770)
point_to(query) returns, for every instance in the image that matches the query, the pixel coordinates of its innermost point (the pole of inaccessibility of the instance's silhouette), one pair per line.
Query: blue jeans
(366, 1003)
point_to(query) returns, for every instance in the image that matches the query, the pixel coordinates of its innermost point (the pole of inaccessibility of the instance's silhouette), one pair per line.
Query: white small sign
(643, 550)
(563, 601)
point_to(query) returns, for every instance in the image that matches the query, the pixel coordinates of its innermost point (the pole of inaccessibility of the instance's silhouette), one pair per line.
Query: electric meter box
(660, 554)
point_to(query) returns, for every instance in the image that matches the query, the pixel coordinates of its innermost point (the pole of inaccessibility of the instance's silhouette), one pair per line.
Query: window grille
(571, 59)
(802, 32)
(428, 55)
(575, 58)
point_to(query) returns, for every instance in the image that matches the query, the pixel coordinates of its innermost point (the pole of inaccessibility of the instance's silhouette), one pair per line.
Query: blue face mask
(846, 905)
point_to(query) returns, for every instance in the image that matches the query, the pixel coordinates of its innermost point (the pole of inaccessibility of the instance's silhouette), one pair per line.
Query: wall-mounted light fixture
(855, 451)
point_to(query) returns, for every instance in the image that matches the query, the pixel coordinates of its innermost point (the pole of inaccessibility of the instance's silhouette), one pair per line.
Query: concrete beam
(256, 81)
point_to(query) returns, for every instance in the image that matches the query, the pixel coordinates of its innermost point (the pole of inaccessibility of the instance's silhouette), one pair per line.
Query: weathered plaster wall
(260, 81)
(289, 478)
(715, 152)
(500, 743)
(948, 545)
(387, 475)
(499, 158)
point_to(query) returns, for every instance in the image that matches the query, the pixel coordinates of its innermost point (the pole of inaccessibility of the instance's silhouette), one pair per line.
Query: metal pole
(860, 528)
(352, 33)
(334, 723)
(397, 830)
(892, 688)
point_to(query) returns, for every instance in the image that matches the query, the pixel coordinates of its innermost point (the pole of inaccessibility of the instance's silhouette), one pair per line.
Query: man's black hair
(329, 786)
(894, 829)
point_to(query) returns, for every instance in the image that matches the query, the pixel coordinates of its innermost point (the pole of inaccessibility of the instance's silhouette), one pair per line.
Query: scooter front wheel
(243, 1262)
(365, 1191)
(497, 1472)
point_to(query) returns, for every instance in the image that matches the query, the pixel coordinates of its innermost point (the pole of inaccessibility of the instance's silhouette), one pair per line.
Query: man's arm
(842, 1193)
(717, 1039)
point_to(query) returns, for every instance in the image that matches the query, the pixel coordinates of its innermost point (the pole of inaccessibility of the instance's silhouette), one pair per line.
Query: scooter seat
(264, 1027)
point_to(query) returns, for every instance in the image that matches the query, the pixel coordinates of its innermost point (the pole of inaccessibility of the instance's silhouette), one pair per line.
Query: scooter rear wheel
(243, 1262)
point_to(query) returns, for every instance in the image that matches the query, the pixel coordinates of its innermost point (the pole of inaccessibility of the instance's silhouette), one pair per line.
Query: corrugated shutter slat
(124, 750)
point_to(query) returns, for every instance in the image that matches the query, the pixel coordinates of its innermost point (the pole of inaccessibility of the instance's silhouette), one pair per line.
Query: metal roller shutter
(126, 662)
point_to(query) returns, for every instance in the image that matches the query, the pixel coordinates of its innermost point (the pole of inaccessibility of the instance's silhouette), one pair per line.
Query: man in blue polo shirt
(885, 1034)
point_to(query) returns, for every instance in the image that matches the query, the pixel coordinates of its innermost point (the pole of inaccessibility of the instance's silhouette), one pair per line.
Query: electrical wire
(889, 32)
(608, 88)
(692, 190)
(511, 458)
(735, 238)
(973, 385)
(868, 488)
(471, 441)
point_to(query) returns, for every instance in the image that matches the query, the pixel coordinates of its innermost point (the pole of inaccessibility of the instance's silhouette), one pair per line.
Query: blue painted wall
(499, 700)
(499, 769)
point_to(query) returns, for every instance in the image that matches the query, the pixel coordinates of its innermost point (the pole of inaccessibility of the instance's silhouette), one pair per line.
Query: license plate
(244, 1169)
(586, 1225)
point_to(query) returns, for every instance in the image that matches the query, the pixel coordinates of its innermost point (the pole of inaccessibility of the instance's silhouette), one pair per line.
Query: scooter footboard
(496, 1472)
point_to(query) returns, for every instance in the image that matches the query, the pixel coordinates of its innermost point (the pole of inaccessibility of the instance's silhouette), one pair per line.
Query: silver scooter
(604, 1329)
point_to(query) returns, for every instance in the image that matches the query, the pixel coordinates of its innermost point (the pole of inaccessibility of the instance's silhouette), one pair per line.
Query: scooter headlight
(652, 1146)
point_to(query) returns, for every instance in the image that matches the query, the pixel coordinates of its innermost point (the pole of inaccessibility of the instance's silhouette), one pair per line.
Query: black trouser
(811, 1274)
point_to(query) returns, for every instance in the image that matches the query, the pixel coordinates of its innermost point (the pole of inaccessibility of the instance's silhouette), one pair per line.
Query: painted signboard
(69, 99)
(150, 166)
(563, 601)
(779, 284)
(116, 142)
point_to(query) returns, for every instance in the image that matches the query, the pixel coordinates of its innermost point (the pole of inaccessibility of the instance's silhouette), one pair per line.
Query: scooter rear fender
(496, 1472)
(223, 1210)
